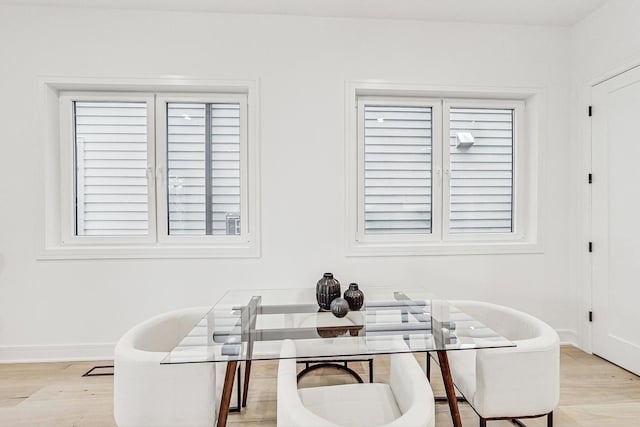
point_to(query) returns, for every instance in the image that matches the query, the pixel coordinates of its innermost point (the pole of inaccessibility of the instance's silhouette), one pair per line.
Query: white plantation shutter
(481, 183)
(111, 186)
(203, 144)
(397, 169)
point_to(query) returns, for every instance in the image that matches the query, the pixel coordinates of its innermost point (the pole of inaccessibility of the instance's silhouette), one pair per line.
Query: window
(439, 172)
(156, 170)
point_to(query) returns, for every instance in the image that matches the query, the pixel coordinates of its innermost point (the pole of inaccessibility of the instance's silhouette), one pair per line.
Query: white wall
(302, 64)
(605, 43)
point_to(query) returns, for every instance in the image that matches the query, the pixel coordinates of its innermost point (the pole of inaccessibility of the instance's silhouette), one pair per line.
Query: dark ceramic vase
(354, 297)
(327, 289)
(339, 307)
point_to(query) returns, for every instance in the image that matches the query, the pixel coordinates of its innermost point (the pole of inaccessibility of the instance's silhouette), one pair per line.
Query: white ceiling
(529, 12)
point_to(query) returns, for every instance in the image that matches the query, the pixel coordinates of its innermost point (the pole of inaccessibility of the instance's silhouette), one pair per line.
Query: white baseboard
(568, 337)
(56, 353)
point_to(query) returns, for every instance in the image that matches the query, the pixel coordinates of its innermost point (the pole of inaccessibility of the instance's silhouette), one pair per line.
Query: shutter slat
(125, 199)
(116, 216)
(140, 138)
(399, 207)
(398, 182)
(398, 115)
(400, 174)
(482, 191)
(397, 157)
(397, 216)
(396, 191)
(105, 226)
(480, 198)
(422, 141)
(115, 181)
(114, 189)
(115, 172)
(115, 146)
(114, 207)
(116, 232)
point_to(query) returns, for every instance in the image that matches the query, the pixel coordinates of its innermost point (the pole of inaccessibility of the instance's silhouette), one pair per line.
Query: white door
(616, 219)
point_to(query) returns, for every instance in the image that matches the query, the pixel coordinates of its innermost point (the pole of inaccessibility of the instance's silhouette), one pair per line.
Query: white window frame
(531, 123)
(56, 230)
(436, 171)
(69, 173)
(517, 200)
(162, 99)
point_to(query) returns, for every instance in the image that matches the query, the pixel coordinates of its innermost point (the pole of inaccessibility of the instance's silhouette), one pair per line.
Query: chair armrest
(412, 392)
(290, 410)
(518, 381)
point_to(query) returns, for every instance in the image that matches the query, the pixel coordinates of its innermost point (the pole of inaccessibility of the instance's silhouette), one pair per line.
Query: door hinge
(591, 316)
(590, 111)
(590, 246)
(590, 178)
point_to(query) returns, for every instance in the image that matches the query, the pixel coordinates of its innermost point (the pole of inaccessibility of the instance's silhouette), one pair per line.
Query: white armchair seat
(407, 401)
(152, 395)
(514, 382)
(369, 404)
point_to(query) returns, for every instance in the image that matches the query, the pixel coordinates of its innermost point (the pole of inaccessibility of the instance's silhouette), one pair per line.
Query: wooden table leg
(247, 375)
(448, 385)
(225, 399)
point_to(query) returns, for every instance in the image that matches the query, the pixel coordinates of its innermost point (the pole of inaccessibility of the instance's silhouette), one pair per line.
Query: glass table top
(251, 325)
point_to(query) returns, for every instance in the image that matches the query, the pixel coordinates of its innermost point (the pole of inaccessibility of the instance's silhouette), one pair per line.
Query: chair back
(163, 332)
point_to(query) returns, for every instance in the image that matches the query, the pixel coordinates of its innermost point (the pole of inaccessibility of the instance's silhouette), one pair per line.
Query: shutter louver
(194, 207)
(398, 166)
(481, 173)
(111, 185)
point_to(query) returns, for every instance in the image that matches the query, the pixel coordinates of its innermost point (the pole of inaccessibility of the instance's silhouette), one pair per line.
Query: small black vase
(339, 307)
(354, 297)
(327, 290)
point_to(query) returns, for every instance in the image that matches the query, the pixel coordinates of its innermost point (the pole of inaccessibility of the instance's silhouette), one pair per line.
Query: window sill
(149, 252)
(360, 249)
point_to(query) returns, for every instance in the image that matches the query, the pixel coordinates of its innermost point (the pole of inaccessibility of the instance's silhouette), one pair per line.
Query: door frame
(585, 330)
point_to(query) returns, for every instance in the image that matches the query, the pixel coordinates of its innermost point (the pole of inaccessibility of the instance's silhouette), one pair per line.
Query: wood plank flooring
(594, 393)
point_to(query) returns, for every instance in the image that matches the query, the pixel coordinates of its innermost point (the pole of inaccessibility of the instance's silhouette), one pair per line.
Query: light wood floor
(594, 393)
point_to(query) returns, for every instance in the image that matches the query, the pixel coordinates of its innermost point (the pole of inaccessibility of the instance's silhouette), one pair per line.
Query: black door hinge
(590, 111)
(591, 316)
(590, 178)
(590, 246)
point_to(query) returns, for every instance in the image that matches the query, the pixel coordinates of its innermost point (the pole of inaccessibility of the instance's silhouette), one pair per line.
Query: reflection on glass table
(248, 325)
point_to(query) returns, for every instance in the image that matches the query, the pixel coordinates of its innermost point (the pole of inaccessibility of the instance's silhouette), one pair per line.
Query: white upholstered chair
(407, 401)
(509, 383)
(151, 395)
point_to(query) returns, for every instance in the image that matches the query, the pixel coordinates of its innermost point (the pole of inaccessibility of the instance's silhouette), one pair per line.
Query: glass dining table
(250, 325)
